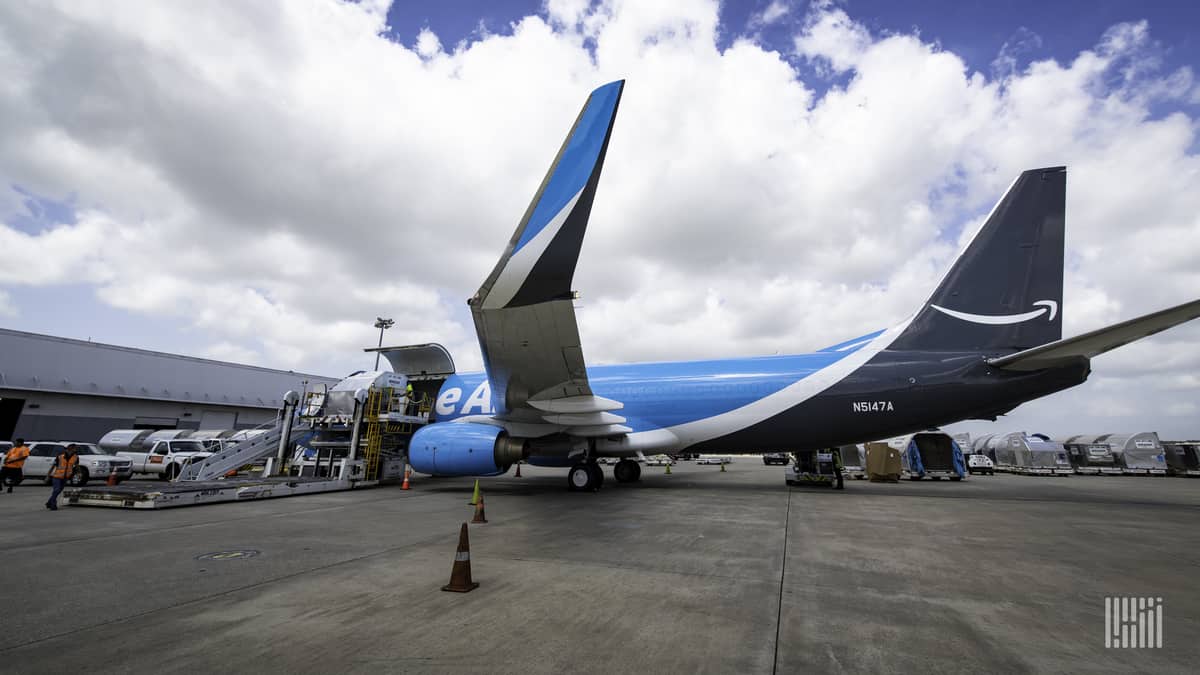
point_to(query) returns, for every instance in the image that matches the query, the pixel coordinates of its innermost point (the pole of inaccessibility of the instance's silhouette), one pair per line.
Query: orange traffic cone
(480, 518)
(460, 574)
(112, 479)
(518, 470)
(404, 485)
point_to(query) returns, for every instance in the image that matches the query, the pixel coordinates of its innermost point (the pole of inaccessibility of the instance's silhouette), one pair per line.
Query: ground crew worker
(408, 394)
(14, 462)
(64, 466)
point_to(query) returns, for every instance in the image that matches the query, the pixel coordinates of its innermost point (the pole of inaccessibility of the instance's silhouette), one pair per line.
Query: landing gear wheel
(171, 472)
(627, 471)
(79, 477)
(583, 478)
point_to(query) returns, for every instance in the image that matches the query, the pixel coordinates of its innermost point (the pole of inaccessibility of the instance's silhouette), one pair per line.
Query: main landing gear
(585, 477)
(627, 471)
(588, 476)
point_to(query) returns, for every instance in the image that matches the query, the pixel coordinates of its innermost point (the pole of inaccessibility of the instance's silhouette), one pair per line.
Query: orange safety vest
(15, 458)
(64, 465)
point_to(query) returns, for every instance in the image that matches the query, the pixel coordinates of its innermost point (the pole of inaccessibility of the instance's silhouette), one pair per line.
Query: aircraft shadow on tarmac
(1025, 489)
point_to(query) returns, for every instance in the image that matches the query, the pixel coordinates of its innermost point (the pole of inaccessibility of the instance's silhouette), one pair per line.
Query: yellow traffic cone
(722, 467)
(668, 471)
(475, 497)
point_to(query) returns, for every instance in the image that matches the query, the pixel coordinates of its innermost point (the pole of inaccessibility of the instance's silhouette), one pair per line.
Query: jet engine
(464, 449)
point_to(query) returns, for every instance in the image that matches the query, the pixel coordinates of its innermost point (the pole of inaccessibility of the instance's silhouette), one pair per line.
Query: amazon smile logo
(1047, 306)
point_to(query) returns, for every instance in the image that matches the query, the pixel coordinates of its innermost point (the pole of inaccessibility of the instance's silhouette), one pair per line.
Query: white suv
(94, 463)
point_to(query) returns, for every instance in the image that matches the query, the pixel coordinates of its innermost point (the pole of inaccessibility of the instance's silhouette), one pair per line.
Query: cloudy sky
(258, 181)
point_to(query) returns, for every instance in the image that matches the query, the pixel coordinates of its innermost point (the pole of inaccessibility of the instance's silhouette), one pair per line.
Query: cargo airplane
(988, 339)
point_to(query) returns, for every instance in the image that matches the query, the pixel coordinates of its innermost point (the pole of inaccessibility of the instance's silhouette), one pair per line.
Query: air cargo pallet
(154, 495)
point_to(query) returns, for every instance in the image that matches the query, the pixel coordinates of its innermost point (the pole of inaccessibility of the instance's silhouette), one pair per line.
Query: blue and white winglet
(524, 313)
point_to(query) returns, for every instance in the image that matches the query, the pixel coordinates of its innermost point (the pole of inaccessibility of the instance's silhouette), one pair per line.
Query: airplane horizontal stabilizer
(1099, 341)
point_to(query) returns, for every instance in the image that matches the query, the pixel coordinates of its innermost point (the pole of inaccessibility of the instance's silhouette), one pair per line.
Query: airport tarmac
(698, 571)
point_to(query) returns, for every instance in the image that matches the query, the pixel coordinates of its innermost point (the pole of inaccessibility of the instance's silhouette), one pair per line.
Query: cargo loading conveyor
(156, 495)
(353, 435)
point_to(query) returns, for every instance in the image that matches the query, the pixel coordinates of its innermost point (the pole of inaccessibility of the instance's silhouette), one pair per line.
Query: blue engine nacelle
(463, 449)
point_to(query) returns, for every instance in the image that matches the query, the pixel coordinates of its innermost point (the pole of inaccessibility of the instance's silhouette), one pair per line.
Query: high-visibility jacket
(64, 465)
(15, 458)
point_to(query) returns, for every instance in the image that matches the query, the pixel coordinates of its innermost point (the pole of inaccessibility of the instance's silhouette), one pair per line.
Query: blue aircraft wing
(524, 313)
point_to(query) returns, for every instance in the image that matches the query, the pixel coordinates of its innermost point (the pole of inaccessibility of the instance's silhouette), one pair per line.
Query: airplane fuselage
(781, 403)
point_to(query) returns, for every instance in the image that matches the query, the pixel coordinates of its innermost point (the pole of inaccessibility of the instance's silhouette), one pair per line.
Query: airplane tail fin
(539, 263)
(1004, 292)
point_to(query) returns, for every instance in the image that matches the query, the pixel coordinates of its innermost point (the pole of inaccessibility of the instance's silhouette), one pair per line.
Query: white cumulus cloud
(7, 309)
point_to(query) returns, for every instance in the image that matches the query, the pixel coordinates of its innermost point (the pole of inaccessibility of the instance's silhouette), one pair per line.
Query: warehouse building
(62, 389)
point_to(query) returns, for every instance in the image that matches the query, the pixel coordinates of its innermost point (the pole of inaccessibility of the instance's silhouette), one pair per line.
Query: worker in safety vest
(64, 466)
(14, 461)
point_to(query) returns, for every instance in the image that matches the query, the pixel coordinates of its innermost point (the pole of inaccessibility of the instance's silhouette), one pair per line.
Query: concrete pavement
(699, 571)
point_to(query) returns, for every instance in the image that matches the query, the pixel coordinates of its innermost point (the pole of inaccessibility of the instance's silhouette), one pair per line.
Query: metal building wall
(78, 390)
(72, 417)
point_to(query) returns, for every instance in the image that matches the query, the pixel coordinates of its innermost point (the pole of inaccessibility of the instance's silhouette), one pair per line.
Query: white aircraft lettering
(480, 398)
(447, 399)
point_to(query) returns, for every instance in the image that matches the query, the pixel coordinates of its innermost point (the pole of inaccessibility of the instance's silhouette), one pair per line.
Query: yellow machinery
(382, 403)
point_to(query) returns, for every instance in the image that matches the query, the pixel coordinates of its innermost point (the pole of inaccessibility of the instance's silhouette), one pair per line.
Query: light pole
(382, 324)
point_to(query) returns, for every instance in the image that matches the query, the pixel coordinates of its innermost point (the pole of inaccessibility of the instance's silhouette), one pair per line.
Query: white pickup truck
(157, 453)
(166, 459)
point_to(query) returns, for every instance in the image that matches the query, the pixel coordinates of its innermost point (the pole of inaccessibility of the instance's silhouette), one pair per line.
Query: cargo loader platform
(158, 495)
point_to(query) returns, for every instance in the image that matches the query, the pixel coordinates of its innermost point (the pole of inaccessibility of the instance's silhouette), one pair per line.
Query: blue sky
(976, 30)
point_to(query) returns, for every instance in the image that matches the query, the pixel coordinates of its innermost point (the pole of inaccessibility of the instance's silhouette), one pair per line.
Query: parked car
(981, 464)
(776, 458)
(94, 463)
(714, 460)
(166, 459)
(659, 460)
